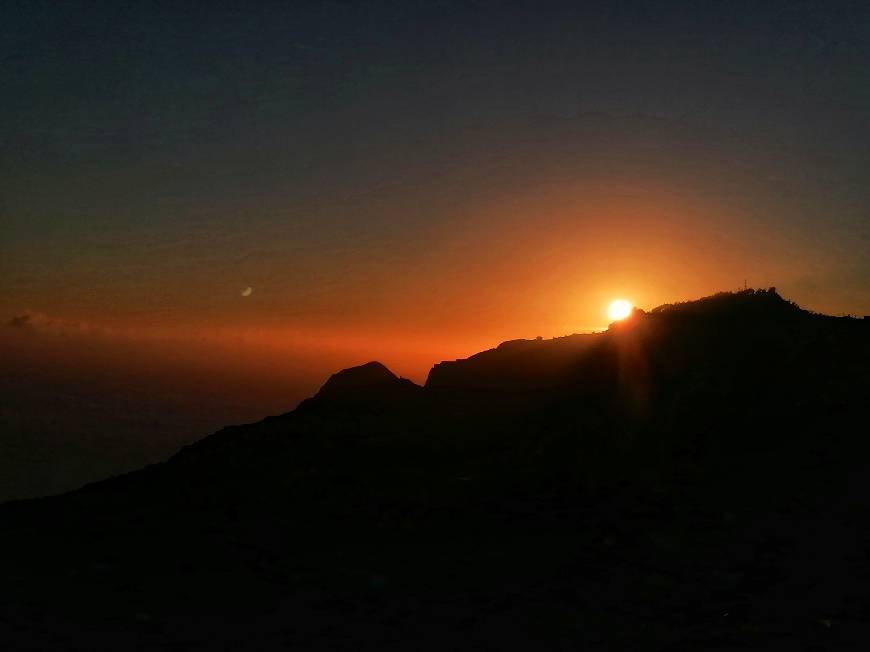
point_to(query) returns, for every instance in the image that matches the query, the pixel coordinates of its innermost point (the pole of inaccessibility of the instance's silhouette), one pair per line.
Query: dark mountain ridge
(616, 489)
(750, 350)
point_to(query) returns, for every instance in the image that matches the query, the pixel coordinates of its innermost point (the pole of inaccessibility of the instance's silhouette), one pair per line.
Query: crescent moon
(247, 291)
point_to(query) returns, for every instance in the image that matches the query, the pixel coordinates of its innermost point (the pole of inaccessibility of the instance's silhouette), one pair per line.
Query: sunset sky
(412, 182)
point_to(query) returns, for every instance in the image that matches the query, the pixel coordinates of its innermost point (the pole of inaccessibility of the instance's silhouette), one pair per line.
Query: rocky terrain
(694, 478)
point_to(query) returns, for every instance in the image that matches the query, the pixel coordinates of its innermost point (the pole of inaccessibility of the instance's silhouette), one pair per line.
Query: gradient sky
(396, 181)
(418, 181)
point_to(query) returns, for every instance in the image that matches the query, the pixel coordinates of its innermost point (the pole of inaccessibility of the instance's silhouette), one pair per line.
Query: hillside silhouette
(695, 477)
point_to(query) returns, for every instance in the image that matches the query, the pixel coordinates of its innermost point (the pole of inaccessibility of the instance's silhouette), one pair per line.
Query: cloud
(24, 321)
(30, 320)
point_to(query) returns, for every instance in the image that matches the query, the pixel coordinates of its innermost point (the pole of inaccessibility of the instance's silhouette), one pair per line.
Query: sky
(408, 182)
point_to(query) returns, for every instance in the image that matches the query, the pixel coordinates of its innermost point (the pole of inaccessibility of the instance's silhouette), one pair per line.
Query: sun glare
(619, 309)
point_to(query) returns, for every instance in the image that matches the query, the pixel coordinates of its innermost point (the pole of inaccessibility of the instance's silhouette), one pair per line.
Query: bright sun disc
(619, 309)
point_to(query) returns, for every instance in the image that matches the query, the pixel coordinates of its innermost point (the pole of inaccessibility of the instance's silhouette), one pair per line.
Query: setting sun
(619, 309)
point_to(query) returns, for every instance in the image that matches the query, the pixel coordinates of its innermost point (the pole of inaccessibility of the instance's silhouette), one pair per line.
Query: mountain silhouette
(365, 387)
(694, 477)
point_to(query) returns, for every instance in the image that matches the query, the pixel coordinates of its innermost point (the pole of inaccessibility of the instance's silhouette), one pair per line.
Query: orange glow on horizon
(537, 261)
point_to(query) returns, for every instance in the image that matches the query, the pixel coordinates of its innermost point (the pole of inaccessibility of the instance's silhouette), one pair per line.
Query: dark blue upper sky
(331, 136)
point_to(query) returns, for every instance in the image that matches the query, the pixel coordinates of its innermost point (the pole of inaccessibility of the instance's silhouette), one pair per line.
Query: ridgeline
(695, 477)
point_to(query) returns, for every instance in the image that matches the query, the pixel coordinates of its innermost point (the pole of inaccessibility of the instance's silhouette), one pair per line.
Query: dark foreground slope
(694, 478)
